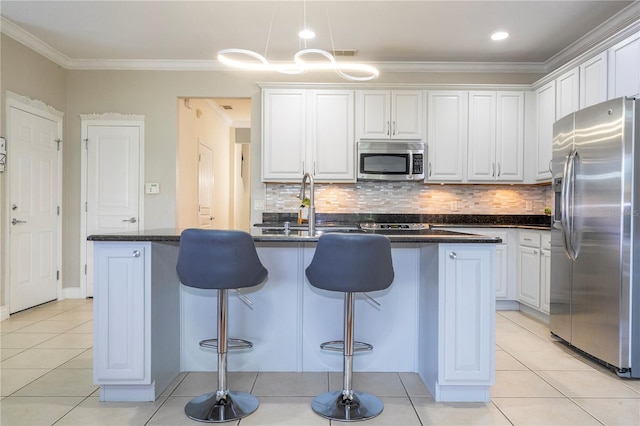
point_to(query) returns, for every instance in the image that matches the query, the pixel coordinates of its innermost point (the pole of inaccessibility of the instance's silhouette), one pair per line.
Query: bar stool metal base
(363, 406)
(205, 408)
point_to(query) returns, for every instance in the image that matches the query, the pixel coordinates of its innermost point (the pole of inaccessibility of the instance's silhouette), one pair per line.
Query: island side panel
(391, 327)
(271, 323)
(165, 315)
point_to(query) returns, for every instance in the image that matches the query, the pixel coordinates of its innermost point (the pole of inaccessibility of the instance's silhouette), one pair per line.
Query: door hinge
(57, 275)
(86, 208)
(58, 141)
(199, 157)
(58, 210)
(85, 269)
(86, 143)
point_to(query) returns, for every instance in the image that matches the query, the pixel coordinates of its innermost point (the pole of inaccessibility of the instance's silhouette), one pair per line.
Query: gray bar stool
(220, 260)
(350, 263)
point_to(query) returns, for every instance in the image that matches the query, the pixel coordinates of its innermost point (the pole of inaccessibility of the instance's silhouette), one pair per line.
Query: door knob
(15, 221)
(131, 220)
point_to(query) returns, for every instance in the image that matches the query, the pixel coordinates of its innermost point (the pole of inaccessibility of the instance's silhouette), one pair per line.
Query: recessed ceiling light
(306, 34)
(500, 35)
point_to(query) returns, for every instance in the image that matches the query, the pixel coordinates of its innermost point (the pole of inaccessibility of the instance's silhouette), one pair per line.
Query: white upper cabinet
(481, 162)
(446, 135)
(593, 80)
(496, 136)
(545, 117)
(567, 93)
(331, 135)
(283, 134)
(308, 131)
(389, 114)
(624, 68)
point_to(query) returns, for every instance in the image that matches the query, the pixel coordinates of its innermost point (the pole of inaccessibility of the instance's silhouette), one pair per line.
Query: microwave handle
(410, 165)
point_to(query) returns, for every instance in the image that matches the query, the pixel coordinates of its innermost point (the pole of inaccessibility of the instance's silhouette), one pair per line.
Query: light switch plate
(151, 188)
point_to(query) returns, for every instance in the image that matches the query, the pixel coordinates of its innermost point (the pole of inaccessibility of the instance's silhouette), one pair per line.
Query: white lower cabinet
(463, 326)
(127, 364)
(533, 274)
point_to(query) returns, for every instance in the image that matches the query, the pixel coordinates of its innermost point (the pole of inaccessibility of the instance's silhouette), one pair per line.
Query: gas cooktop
(399, 227)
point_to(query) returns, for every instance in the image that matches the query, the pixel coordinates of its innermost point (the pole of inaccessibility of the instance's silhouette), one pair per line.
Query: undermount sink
(320, 229)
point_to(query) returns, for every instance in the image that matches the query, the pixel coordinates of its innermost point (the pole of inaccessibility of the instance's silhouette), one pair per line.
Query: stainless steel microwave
(395, 161)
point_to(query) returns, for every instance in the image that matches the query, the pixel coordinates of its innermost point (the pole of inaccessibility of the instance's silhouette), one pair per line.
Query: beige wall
(154, 94)
(25, 73)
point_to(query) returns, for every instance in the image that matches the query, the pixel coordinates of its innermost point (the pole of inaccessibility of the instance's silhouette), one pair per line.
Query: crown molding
(32, 42)
(476, 67)
(619, 26)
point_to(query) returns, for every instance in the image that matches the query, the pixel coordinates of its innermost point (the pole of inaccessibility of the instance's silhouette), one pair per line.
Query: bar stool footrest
(338, 346)
(232, 344)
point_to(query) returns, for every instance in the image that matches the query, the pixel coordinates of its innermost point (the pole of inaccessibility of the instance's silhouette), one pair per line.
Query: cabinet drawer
(529, 239)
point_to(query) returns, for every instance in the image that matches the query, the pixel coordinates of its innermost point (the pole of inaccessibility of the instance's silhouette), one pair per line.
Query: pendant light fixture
(253, 61)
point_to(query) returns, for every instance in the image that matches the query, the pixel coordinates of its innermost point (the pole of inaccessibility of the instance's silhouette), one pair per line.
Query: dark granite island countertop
(169, 235)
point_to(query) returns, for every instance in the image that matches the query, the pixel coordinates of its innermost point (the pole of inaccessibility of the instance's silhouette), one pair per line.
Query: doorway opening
(213, 158)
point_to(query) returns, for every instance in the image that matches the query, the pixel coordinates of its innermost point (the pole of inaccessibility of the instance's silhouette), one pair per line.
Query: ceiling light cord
(273, 14)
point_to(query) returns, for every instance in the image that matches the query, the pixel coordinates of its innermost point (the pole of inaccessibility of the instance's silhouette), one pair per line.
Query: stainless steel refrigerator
(595, 246)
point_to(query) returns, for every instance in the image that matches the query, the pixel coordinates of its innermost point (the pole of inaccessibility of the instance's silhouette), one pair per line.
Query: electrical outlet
(258, 205)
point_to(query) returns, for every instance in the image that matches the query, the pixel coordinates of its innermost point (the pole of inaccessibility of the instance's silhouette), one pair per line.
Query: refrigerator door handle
(568, 186)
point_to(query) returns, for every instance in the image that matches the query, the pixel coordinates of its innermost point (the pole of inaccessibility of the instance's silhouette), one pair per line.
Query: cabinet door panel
(447, 135)
(545, 117)
(374, 114)
(468, 306)
(567, 93)
(481, 162)
(529, 276)
(593, 81)
(624, 68)
(283, 135)
(406, 107)
(510, 136)
(332, 139)
(119, 346)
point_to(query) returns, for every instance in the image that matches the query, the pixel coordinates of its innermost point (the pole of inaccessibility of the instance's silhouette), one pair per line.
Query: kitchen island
(437, 318)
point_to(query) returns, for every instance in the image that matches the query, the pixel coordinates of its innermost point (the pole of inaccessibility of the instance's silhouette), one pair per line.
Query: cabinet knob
(136, 253)
(453, 255)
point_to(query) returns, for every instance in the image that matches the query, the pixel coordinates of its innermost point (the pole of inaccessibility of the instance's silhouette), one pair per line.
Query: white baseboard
(507, 305)
(534, 313)
(4, 312)
(72, 293)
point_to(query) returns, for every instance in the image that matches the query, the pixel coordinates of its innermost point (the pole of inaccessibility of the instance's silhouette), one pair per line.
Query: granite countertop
(173, 236)
(540, 222)
(434, 235)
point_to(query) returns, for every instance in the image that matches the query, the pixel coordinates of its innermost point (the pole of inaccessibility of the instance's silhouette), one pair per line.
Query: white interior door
(112, 183)
(33, 145)
(205, 186)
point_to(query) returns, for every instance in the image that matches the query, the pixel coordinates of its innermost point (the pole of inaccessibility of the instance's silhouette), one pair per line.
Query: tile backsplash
(411, 197)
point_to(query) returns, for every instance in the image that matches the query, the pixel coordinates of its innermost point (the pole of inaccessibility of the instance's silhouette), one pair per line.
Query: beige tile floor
(46, 361)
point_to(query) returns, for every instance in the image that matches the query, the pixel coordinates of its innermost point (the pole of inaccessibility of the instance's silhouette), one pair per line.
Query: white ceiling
(187, 34)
